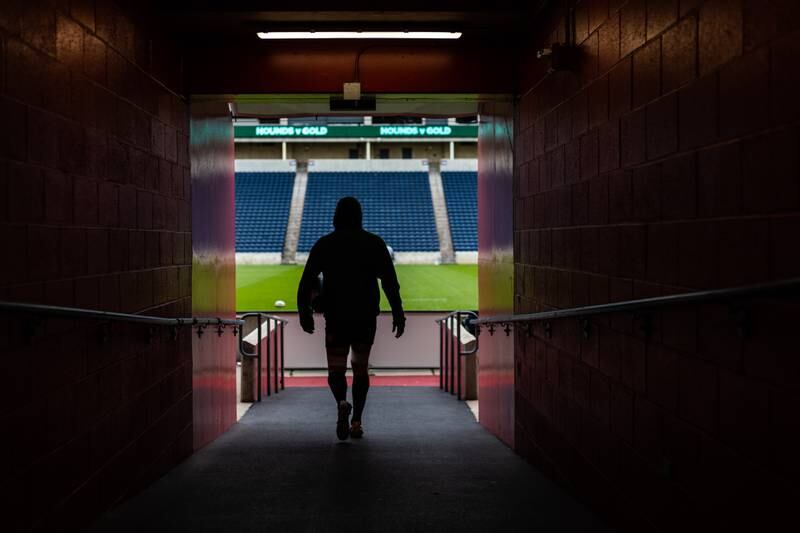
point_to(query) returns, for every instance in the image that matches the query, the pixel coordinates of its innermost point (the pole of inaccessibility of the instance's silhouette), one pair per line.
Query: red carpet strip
(374, 381)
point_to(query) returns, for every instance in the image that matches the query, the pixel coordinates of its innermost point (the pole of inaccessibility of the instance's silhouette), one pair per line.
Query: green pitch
(423, 287)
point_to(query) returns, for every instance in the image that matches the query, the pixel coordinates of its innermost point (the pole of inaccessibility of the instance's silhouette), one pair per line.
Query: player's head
(348, 214)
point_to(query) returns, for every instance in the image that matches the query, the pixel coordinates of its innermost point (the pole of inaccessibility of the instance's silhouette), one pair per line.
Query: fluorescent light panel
(359, 34)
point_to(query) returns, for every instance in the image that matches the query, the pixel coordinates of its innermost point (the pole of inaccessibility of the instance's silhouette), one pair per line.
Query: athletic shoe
(343, 422)
(356, 430)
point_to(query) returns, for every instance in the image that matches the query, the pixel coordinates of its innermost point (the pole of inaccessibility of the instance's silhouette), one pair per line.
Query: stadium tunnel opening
(412, 162)
(412, 83)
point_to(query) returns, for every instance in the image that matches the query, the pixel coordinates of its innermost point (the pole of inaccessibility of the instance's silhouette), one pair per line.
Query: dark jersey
(351, 262)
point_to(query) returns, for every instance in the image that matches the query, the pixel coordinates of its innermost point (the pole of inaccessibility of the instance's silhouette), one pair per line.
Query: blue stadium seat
(397, 206)
(461, 197)
(262, 210)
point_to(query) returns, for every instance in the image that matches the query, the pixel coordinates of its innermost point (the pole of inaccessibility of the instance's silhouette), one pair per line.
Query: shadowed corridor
(424, 465)
(637, 181)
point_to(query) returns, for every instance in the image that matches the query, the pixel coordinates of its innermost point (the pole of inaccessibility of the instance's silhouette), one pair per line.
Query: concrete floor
(424, 465)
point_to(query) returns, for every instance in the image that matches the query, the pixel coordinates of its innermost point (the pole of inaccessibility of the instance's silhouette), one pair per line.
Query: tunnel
(635, 169)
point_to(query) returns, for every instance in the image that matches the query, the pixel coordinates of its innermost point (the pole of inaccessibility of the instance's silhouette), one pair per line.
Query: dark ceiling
(241, 19)
(226, 56)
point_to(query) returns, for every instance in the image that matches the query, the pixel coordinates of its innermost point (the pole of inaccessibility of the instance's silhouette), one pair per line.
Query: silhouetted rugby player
(351, 261)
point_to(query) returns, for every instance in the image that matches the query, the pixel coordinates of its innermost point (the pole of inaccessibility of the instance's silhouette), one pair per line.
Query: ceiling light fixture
(359, 34)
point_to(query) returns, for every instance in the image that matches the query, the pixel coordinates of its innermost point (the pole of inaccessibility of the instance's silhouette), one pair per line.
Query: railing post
(444, 355)
(258, 357)
(283, 383)
(458, 353)
(275, 355)
(447, 348)
(451, 353)
(269, 353)
(452, 359)
(441, 355)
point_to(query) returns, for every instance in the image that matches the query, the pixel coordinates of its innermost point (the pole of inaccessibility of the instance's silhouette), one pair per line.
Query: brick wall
(95, 212)
(667, 163)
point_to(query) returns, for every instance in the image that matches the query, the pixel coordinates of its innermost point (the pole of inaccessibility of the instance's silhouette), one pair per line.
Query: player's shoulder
(323, 242)
(324, 238)
(373, 238)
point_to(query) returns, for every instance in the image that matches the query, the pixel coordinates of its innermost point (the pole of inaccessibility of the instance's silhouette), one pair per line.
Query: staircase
(440, 213)
(289, 255)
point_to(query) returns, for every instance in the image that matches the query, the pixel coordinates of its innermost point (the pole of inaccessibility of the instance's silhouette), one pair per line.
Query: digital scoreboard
(351, 132)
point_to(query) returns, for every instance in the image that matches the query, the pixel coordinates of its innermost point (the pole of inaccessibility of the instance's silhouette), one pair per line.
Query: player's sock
(360, 388)
(338, 384)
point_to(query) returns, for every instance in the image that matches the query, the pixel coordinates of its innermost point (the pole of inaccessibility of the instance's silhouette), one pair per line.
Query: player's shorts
(343, 333)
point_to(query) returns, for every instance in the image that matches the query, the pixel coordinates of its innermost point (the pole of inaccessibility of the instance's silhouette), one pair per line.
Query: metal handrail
(645, 304)
(265, 314)
(472, 317)
(243, 317)
(454, 313)
(96, 314)
(280, 323)
(448, 352)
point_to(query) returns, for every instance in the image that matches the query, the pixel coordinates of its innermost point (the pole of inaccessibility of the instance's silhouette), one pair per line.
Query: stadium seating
(397, 206)
(461, 197)
(262, 210)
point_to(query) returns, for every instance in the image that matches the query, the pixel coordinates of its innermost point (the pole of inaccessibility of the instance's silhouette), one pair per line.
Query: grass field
(423, 287)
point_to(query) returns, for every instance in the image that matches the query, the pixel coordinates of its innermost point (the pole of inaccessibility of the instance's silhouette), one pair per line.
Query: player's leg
(360, 364)
(337, 366)
(337, 350)
(363, 338)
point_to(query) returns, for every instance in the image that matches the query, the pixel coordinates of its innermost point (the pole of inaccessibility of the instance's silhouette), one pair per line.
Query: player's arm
(391, 287)
(305, 287)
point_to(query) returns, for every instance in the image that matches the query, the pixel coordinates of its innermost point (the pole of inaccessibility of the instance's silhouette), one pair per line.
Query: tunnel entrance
(413, 163)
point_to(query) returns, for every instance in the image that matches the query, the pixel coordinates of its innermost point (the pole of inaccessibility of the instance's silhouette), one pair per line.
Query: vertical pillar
(452, 150)
(283, 150)
(213, 271)
(496, 265)
(369, 150)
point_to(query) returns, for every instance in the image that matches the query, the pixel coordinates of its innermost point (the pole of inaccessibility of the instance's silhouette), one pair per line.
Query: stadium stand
(397, 206)
(461, 197)
(262, 210)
